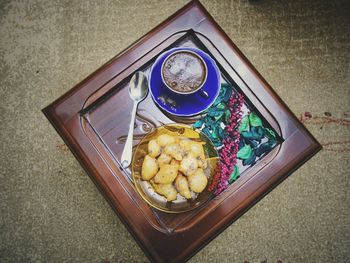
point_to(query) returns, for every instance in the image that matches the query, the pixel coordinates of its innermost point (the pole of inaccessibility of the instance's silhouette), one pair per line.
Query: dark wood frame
(297, 147)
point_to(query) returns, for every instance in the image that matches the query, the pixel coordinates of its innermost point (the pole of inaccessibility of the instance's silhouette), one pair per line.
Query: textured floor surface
(50, 211)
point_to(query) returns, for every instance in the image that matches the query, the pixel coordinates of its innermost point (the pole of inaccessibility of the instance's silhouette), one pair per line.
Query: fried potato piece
(188, 165)
(197, 150)
(202, 163)
(167, 174)
(181, 185)
(165, 139)
(153, 148)
(163, 159)
(185, 145)
(167, 190)
(174, 150)
(175, 162)
(198, 181)
(149, 168)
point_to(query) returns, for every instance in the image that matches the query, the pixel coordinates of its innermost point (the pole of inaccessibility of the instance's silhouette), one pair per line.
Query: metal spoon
(138, 91)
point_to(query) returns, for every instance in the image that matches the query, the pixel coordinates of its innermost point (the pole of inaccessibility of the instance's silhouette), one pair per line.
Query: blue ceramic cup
(189, 104)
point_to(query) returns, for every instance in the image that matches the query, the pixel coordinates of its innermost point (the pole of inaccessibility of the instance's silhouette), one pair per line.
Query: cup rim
(195, 54)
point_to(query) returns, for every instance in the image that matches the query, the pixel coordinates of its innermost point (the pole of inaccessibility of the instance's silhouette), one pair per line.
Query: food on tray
(165, 139)
(175, 165)
(185, 145)
(197, 150)
(174, 150)
(166, 174)
(175, 162)
(184, 71)
(181, 184)
(149, 168)
(189, 164)
(167, 190)
(198, 181)
(153, 148)
(163, 159)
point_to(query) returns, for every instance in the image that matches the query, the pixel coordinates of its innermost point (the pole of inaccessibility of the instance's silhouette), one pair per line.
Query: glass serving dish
(181, 204)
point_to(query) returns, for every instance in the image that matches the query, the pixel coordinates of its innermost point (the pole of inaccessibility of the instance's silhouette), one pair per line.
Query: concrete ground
(50, 211)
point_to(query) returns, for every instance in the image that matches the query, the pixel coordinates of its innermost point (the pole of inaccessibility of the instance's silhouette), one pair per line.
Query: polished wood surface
(89, 116)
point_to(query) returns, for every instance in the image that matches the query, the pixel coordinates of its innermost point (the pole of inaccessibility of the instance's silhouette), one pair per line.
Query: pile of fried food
(175, 165)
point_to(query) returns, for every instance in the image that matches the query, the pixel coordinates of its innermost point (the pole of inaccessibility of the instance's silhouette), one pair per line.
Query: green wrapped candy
(234, 175)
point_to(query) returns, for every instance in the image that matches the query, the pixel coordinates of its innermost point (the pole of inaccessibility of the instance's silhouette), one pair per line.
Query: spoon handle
(127, 152)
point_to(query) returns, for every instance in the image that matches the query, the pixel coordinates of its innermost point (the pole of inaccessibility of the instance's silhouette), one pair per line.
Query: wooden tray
(93, 119)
